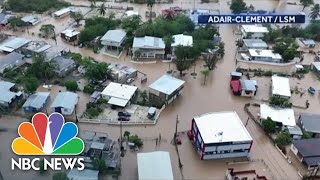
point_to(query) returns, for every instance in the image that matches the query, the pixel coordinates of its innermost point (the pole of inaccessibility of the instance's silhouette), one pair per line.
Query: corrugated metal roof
(12, 59)
(248, 85)
(148, 42)
(37, 100)
(166, 84)
(255, 43)
(310, 122)
(62, 63)
(5, 85)
(182, 40)
(116, 35)
(154, 166)
(66, 100)
(6, 96)
(14, 43)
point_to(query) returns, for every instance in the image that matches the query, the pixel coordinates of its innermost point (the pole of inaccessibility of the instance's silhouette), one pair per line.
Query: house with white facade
(181, 40)
(119, 94)
(281, 87)
(253, 31)
(264, 55)
(148, 47)
(220, 135)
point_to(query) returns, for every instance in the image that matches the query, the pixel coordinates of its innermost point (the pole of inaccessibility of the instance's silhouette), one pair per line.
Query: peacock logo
(47, 136)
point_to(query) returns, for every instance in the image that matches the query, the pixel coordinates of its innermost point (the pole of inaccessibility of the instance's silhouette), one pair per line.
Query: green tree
(126, 134)
(237, 6)
(31, 84)
(34, 5)
(315, 12)
(306, 3)
(306, 135)
(40, 68)
(221, 50)
(60, 176)
(89, 89)
(16, 22)
(205, 72)
(283, 138)
(77, 17)
(144, 96)
(97, 71)
(269, 126)
(239, 43)
(130, 24)
(136, 140)
(102, 9)
(71, 85)
(49, 30)
(150, 4)
(99, 164)
(185, 57)
(211, 60)
(137, 53)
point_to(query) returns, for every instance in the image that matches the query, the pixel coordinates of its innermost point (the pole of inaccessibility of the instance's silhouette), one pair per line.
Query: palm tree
(102, 9)
(93, 3)
(205, 72)
(48, 29)
(150, 4)
(168, 40)
(315, 12)
(306, 3)
(170, 14)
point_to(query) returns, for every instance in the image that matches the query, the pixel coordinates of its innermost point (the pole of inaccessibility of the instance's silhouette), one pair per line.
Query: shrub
(71, 85)
(283, 138)
(282, 102)
(136, 140)
(268, 125)
(89, 89)
(93, 112)
(99, 164)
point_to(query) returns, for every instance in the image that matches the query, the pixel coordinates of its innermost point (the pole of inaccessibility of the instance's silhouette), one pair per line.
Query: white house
(220, 135)
(31, 20)
(70, 35)
(154, 166)
(254, 44)
(119, 94)
(248, 87)
(149, 47)
(283, 117)
(181, 40)
(280, 86)
(65, 103)
(253, 31)
(114, 40)
(65, 12)
(264, 55)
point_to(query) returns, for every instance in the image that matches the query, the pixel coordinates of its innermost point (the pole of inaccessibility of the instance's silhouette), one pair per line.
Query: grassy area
(34, 5)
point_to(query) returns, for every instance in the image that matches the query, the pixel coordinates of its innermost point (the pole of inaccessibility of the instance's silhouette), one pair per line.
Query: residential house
(283, 117)
(95, 96)
(86, 174)
(54, 51)
(248, 87)
(264, 55)
(63, 65)
(165, 90)
(148, 47)
(253, 31)
(35, 47)
(36, 102)
(181, 40)
(119, 94)
(31, 20)
(8, 95)
(253, 44)
(70, 35)
(308, 43)
(11, 60)
(294, 131)
(13, 44)
(154, 166)
(65, 103)
(220, 135)
(120, 73)
(280, 87)
(307, 151)
(315, 67)
(4, 18)
(114, 40)
(310, 123)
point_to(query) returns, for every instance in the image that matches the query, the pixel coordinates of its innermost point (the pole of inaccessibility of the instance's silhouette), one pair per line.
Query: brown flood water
(195, 100)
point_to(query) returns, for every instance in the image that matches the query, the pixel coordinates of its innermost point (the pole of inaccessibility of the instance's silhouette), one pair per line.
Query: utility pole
(176, 132)
(121, 147)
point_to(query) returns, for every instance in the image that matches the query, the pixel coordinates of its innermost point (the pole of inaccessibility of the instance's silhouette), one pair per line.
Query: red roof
(235, 85)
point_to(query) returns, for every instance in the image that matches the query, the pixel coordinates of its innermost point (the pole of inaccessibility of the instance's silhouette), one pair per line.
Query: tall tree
(77, 17)
(185, 57)
(16, 22)
(306, 3)
(211, 60)
(315, 12)
(150, 4)
(49, 29)
(205, 72)
(102, 9)
(237, 6)
(168, 40)
(40, 68)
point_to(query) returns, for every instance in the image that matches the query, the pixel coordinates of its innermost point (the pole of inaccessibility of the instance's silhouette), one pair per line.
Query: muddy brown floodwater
(196, 99)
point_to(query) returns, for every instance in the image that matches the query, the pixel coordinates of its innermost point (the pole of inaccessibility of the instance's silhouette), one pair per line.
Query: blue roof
(66, 100)
(37, 100)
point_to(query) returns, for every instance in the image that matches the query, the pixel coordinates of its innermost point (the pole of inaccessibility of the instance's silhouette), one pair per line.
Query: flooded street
(196, 99)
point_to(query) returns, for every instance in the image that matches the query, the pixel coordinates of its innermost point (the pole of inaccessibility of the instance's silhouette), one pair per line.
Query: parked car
(126, 114)
(312, 90)
(152, 112)
(123, 118)
(130, 80)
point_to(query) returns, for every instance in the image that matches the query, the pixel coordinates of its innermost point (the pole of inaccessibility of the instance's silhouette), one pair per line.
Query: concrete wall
(227, 155)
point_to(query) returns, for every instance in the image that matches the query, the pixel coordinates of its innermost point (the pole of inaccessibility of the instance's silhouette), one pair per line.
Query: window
(238, 150)
(248, 92)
